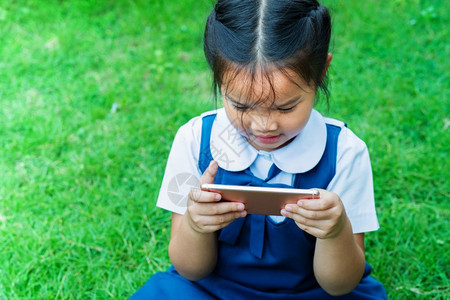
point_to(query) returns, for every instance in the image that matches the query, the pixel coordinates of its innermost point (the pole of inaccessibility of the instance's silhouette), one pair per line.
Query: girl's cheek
(235, 119)
(244, 121)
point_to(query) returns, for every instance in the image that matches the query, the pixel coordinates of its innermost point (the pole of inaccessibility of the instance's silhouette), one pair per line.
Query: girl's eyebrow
(287, 103)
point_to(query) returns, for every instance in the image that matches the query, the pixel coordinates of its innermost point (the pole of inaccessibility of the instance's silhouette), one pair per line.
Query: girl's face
(269, 114)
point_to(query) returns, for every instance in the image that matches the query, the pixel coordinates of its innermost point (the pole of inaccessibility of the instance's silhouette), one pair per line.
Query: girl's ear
(329, 58)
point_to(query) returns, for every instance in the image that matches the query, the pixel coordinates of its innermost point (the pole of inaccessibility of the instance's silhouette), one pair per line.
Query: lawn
(91, 96)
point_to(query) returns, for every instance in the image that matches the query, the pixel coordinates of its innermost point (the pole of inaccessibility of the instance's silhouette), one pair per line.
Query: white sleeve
(182, 172)
(353, 182)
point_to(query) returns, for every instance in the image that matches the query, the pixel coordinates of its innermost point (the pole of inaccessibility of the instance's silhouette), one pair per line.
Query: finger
(319, 228)
(325, 201)
(308, 214)
(198, 195)
(320, 204)
(302, 222)
(296, 217)
(218, 221)
(209, 174)
(219, 208)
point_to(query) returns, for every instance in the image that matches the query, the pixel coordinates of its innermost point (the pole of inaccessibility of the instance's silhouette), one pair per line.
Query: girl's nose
(264, 122)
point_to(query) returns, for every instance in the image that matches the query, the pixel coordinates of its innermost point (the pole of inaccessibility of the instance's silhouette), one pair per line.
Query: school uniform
(266, 257)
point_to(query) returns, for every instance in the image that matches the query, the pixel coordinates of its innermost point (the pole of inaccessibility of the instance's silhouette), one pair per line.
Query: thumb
(209, 174)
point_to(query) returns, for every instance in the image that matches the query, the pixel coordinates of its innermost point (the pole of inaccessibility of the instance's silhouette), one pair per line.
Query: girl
(269, 59)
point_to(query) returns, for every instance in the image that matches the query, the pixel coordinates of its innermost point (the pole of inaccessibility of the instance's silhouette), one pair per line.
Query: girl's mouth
(267, 139)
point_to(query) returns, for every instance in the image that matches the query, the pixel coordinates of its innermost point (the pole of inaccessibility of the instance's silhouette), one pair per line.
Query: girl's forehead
(271, 85)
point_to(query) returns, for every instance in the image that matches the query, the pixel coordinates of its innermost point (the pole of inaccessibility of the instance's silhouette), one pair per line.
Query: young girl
(269, 59)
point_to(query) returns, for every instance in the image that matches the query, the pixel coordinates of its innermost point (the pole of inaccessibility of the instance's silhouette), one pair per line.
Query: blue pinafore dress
(259, 258)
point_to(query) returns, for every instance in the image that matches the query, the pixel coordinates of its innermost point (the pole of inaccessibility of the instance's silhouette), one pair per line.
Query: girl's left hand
(323, 218)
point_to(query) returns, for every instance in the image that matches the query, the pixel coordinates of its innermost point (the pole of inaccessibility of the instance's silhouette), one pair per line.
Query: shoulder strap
(322, 174)
(205, 155)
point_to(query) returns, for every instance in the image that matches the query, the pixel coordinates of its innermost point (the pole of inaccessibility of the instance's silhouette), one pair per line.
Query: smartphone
(261, 200)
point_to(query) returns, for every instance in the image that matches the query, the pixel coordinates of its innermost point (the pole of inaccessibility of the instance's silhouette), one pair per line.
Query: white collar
(233, 153)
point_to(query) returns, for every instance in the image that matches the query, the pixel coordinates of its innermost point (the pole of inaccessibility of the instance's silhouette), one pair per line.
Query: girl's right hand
(205, 212)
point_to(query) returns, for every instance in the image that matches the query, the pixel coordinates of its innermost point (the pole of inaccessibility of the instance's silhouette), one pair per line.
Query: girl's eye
(286, 110)
(240, 107)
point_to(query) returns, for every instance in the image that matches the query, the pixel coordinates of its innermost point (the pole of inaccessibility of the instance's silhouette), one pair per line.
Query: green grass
(79, 180)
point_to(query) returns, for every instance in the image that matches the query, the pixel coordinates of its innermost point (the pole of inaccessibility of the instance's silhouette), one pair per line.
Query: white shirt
(352, 181)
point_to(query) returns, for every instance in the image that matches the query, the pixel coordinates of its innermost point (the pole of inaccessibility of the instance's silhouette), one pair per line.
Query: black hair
(244, 35)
